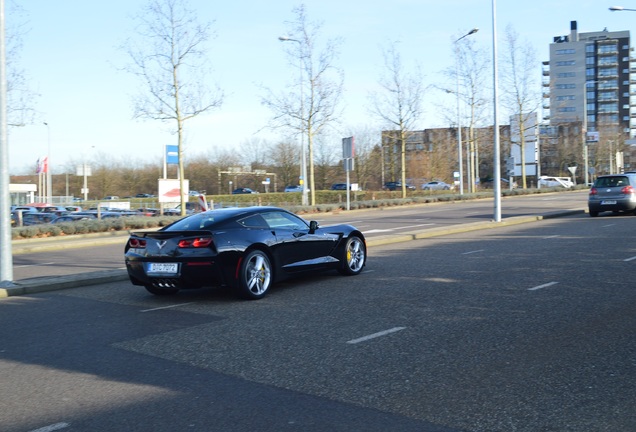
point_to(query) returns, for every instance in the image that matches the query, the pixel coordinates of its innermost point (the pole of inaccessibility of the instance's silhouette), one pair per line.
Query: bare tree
(474, 65)
(168, 56)
(400, 102)
(316, 106)
(20, 97)
(367, 144)
(284, 156)
(520, 93)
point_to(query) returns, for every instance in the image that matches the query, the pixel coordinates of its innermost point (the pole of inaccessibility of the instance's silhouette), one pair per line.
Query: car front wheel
(255, 275)
(355, 253)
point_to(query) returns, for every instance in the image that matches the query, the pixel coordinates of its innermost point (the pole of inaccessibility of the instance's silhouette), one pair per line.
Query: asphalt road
(520, 328)
(36, 262)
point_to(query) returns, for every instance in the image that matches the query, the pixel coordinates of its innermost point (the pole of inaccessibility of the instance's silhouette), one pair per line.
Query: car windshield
(199, 221)
(617, 181)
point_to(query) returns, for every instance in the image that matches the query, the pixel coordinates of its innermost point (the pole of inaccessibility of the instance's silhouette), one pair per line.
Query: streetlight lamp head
(473, 31)
(616, 8)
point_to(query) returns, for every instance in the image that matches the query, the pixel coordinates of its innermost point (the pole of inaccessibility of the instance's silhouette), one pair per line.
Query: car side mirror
(313, 226)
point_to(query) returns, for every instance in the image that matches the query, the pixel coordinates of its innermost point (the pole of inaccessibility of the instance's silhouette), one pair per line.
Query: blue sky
(71, 58)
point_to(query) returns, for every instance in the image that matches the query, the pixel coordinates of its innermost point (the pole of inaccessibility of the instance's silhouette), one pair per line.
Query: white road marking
(165, 307)
(414, 226)
(375, 335)
(51, 428)
(374, 231)
(34, 265)
(630, 259)
(607, 226)
(542, 286)
(552, 236)
(472, 252)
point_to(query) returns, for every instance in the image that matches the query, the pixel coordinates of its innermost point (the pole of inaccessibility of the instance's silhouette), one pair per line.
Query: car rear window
(616, 181)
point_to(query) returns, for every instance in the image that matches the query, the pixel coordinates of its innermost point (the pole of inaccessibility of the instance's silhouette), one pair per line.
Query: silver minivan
(614, 192)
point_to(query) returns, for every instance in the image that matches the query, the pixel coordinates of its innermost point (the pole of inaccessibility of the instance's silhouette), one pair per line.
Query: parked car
(110, 198)
(437, 185)
(57, 210)
(72, 218)
(392, 186)
(298, 188)
(37, 218)
(614, 192)
(25, 209)
(343, 186)
(504, 184)
(103, 214)
(240, 191)
(247, 249)
(546, 181)
(144, 195)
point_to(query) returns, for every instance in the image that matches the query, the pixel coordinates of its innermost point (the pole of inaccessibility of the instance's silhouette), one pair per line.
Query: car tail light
(628, 190)
(137, 243)
(593, 191)
(197, 242)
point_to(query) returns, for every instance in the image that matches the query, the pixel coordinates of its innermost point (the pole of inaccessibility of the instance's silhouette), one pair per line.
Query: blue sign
(172, 154)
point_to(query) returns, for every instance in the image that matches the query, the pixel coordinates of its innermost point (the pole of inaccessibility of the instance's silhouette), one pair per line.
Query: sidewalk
(44, 284)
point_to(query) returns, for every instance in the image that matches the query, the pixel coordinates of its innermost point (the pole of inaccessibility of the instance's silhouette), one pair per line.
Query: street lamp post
(303, 168)
(6, 254)
(49, 176)
(620, 8)
(459, 118)
(495, 80)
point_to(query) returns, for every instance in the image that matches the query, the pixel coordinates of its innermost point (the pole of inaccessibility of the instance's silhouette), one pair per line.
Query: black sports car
(247, 249)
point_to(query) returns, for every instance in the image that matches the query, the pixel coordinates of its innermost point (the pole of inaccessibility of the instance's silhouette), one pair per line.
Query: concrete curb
(40, 285)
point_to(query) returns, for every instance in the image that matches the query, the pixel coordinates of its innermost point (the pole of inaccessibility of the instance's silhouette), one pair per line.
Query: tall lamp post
(49, 176)
(303, 168)
(620, 8)
(495, 80)
(6, 254)
(459, 118)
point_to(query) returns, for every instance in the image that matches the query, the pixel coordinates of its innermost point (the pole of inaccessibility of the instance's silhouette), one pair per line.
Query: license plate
(608, 202)
(164, 268)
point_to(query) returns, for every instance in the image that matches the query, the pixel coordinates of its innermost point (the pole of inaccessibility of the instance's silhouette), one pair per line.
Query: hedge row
(378, 200)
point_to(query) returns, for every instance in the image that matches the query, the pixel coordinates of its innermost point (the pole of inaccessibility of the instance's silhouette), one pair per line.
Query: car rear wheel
(354, 256)
(255, 275)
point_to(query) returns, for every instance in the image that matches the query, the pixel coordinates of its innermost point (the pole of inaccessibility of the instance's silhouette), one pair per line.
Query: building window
(605, 108)
(608, 72)
(608, 60)
(566, 75)
(566, 63)
(565, 51)
(607, 48)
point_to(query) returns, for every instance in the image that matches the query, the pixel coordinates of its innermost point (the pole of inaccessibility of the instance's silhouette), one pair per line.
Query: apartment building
(588, 81)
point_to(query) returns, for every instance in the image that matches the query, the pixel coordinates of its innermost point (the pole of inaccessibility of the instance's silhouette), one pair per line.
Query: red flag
(45, 165)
